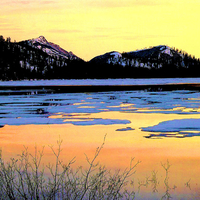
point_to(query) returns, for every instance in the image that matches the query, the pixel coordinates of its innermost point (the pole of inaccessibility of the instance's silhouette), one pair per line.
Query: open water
(129, 113)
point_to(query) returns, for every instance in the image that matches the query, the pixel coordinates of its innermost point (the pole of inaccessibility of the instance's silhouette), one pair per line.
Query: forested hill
(22, 60)
(40, 59)
(159, 61)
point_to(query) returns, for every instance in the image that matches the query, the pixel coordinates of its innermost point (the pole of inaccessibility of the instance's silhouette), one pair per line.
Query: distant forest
(20, 60)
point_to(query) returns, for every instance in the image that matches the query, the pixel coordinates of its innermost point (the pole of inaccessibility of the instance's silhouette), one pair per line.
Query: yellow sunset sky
(92, 27)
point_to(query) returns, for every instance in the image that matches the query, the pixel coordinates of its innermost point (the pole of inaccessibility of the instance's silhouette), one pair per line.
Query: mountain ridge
(151, 58)
(152, 52)
(51, 48)
(40, 59)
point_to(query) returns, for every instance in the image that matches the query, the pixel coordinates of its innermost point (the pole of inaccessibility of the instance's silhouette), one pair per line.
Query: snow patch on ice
(175, 128)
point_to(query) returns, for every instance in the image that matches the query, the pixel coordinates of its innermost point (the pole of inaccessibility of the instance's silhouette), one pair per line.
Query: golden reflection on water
(181, 109)
(120, 146)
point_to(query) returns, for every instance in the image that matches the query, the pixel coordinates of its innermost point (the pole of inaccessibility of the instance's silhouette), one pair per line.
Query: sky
(93, 27)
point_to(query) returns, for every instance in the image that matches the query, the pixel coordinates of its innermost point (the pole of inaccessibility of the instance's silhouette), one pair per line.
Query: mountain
(147, 58)
(156, 52)
(51, 48)
(40, 59)
(158, 61)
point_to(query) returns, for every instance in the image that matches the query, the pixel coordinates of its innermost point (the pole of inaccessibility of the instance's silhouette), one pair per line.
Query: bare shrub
(26, 178)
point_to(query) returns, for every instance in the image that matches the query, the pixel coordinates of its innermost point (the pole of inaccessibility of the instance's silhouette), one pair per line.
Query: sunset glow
(89, 28)
(119, 146)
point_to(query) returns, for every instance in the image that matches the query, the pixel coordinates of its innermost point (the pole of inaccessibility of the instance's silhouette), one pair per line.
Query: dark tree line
(181, 64)
(23, 61)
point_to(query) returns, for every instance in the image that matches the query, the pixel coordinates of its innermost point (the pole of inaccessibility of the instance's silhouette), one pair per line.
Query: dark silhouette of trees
(20, 60)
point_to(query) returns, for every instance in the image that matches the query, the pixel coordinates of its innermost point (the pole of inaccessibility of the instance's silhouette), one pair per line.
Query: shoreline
(120, 146)
(104, 88)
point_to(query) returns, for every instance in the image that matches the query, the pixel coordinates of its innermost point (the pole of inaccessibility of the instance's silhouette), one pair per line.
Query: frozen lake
(37, 106)
(152, 125)
(149, 81)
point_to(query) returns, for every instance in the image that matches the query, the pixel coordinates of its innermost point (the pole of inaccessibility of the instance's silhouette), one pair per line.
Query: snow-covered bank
(153, 81)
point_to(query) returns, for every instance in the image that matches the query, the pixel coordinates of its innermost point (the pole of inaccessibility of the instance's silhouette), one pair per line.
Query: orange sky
(92, 27)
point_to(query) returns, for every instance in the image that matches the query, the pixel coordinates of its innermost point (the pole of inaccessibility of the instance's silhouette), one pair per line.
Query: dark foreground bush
(25, 178)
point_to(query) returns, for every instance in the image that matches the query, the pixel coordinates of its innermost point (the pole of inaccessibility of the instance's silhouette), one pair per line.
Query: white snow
(141, 64)
(137, 64)
(162, 48)
(40, 39)
(168, 52)
(151, 81)
(116, 58)
(52, 50)
(123, 63)
(25, 108)
(183, 125)
(116, 54)
(32, 68)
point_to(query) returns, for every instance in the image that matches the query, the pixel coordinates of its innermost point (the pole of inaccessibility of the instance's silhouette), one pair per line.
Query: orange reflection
(119, 148)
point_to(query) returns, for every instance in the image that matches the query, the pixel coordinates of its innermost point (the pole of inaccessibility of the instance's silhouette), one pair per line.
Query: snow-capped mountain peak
(116, 54)
(41, 40)
(165, 50)
(153, 57)
(51, 49)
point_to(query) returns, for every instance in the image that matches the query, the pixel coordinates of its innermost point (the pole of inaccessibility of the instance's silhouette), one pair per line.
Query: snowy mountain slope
(40, 59)
(147, 58)
(155, 52)
(51, 48)
(105, 58)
